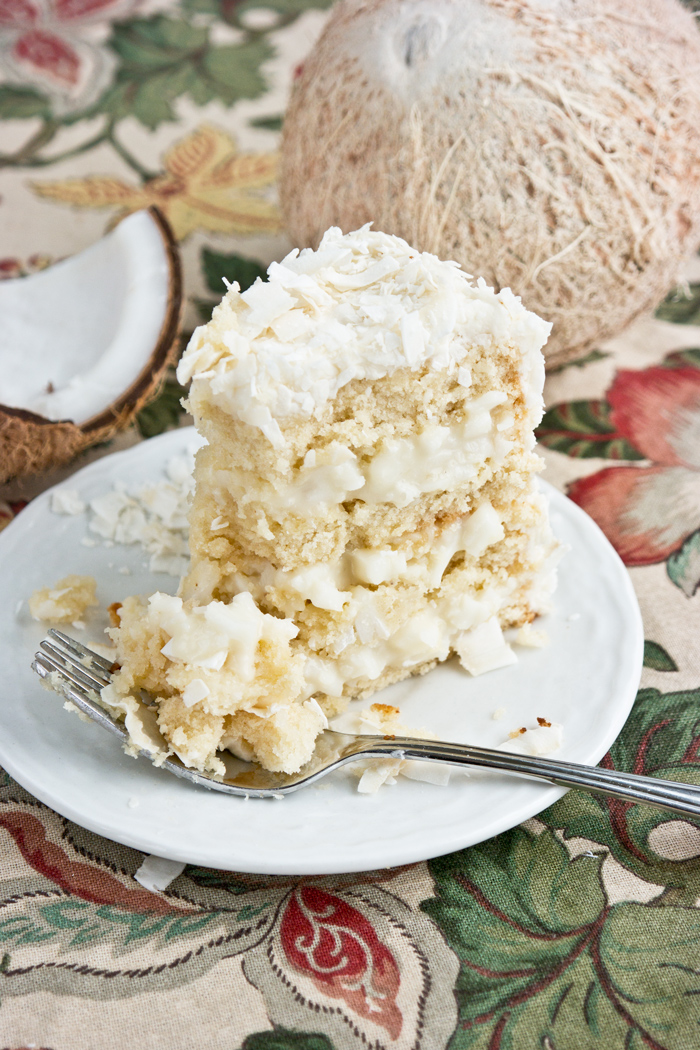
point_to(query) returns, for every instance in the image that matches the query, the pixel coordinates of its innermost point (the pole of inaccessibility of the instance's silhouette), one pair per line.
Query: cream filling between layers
(368, 648)
(332, 585)
(437, 459)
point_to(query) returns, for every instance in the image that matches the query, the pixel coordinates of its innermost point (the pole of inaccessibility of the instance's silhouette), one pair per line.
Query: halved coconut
(84, 344)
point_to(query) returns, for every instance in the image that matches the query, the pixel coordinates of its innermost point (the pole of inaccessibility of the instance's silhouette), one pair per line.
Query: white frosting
(481, 530)
(328, 477)
(464, 623)
(377, 566)
(323, 676)
(212, 635)
(362, 306)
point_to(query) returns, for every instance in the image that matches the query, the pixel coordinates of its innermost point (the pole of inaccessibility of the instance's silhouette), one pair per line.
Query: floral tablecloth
(578, 930)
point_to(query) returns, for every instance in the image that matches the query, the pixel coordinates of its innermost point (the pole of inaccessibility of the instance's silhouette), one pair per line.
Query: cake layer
(363, 306)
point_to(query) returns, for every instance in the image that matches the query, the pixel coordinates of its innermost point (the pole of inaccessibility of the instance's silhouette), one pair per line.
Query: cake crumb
(498, 714)
(68, 705)
(531, 637)
(384, 713)
(66, 601)
(542, 739)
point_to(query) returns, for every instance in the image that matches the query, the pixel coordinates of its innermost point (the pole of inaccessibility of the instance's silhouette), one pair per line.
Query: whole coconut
(552, 146)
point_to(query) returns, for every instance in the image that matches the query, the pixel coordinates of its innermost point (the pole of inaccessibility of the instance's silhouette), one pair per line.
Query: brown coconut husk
(30, 443)
(553, 150)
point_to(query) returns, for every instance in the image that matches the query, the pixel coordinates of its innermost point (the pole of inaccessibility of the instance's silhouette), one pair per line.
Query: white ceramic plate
(585, 678)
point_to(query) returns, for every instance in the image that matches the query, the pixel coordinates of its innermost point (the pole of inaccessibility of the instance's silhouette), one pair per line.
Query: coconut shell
(30, 443)
(550, 148)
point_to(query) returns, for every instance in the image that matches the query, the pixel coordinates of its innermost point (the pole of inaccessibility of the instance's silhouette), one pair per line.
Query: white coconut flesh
(77, 335)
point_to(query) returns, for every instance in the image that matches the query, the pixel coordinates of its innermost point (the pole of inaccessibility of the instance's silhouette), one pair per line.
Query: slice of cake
(364, 506)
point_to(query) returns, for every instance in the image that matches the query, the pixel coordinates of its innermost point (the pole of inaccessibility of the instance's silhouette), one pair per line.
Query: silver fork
(79, 674)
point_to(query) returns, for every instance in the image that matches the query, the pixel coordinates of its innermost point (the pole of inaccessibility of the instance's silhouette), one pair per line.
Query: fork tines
(83, 668)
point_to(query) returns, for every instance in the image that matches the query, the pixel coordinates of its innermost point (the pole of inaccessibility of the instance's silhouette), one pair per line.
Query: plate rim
(408, 852)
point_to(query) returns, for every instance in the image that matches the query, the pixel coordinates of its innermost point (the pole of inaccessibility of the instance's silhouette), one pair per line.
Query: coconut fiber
(550, 147)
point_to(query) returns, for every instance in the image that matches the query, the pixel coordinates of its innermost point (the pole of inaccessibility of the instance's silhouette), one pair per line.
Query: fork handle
(629, 787)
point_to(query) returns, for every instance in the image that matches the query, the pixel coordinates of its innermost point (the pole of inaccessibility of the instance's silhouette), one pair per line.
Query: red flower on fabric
(650, 512)
(55, 46)
(331, 942)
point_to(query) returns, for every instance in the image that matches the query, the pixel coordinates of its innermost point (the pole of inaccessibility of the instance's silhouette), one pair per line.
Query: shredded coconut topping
(362, 306)
(153, 516)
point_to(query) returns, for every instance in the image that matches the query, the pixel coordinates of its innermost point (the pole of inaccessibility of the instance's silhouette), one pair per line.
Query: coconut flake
(313, 705)
(484, 648)
(376, 774)
(153, 517)
(195, 691)
(67, 501)
(156, 873)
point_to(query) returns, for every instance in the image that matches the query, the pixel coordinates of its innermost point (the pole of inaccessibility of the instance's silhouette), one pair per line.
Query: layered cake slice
(364, 506)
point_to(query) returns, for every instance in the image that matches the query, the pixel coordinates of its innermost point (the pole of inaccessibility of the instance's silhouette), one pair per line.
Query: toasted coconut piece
(85, 344)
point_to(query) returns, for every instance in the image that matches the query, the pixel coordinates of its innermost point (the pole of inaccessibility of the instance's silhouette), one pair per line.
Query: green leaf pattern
(683, 565)
(656, 657)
